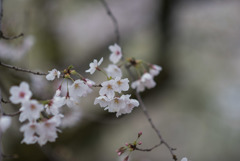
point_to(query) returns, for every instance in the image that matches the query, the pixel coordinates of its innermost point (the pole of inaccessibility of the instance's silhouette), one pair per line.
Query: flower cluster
(146, 80)
(43, 118)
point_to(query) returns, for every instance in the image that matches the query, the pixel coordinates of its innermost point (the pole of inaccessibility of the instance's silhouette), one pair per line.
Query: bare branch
(114, 20)
(20, 69)
(4, 101)
(12, 114)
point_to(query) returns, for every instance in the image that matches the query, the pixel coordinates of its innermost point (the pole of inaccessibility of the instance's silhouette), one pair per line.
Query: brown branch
(114, 20)
(20, 69)
(162, 141)
(4, 101)
(11, 114)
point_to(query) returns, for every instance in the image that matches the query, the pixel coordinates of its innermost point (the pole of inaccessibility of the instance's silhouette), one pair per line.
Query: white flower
(48, 130)
(103, 101)
(20, 94)
(108, 88)
(116, 53)
(113, 71)
(5, 122)
(94, 65)
(30, 110)
(155, 69)
(138, 85)
(116, 104)
(79, 89)
(147, 80)
(71, 102)
(184, 159)
(121, 84)
(30, 132)
(54, 105)
(89, 82)
(129, 105)
(52, 74)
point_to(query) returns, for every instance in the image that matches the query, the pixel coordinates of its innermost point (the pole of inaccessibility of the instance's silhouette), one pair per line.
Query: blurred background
(196, 104)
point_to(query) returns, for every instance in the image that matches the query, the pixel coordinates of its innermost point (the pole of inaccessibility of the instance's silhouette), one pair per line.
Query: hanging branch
(144, 109)
(20, 69)
(114, 20)
(1, 33)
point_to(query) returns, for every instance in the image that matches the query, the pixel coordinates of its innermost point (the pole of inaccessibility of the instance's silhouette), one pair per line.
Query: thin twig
(114, 20)
(162, 141)
(4, 101)
(12, 114)
(20, 69)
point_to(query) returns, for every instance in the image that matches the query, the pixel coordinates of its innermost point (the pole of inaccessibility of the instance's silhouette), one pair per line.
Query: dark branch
(12, 114)
(20, 69)
(4, 101)
(114, 20)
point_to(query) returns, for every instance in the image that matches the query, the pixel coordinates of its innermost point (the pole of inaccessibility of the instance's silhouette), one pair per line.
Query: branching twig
(1, 33)
(12, 114)
(114, 20)
(20, 69)
(162, 141)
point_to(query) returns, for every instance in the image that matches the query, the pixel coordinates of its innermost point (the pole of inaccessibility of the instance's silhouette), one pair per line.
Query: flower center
(21, 94)
(33, 107)
(118, 52)
(109, 86)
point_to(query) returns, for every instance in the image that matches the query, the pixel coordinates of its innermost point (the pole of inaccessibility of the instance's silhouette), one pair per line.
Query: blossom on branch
(113, 71)
(116, 53)
(94, 66)
(5, 122)
(53, 74)
(20, 94)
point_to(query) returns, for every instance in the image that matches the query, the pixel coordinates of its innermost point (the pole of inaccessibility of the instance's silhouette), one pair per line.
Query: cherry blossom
(79, 89)
(54, 105)
(113, 71)
(53, 74)
(5, 122)
(20, 94)
(94, 65)
(129, 105)
(48, 130)
(30, 110)
(147, 80)
(138, 85)
(30, 132)
(184, 159)
(108, 89)
(103, 101)
(116, 53)
(121, 84)
(155, 69)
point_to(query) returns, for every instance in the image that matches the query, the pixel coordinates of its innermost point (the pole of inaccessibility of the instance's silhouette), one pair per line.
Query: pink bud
(126, 144)
(140, 133)
(139, 143)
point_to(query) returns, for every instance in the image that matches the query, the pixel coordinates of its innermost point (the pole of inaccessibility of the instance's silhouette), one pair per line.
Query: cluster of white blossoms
(111, 97)
(42, 119)
(146, 80)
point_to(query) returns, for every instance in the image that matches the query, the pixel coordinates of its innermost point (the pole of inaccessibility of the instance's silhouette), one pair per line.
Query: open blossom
(103, 101)
(5, 122)
(29, 132)
(108, 88)
(71, 102)
(129, 105)
(20, 94)
(48, 130)
(146, 81)
(121, 84)
(79, 89)
(54, 105)
(53, 74)
(184, 159)
(94, 65)
(116, 53)
(155, 69)
(113, 71)
(30, 110)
